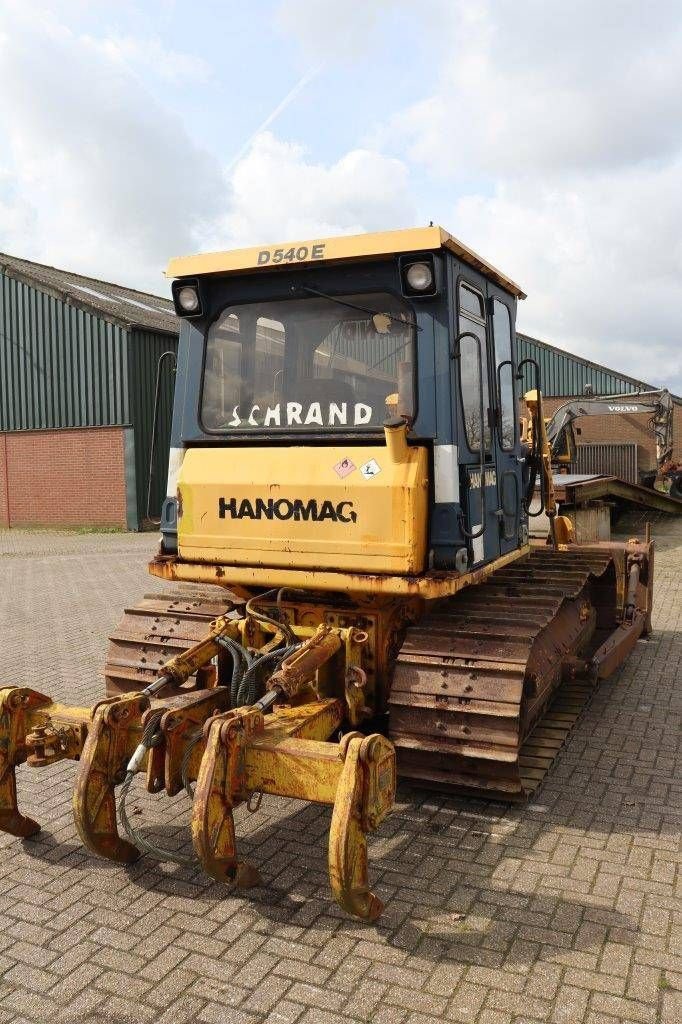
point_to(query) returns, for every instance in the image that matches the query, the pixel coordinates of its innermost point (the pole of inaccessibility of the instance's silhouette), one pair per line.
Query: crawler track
(154, 631)
(482, 697)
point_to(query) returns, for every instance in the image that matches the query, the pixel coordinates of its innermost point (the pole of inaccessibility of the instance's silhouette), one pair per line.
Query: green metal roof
(563, 374)
(114, 302)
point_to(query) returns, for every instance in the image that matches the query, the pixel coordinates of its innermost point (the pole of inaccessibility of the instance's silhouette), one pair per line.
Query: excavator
(658, 404)
(355, 595)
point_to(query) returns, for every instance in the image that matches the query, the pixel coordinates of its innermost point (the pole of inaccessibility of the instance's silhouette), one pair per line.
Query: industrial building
(86, 386)
(85, 399)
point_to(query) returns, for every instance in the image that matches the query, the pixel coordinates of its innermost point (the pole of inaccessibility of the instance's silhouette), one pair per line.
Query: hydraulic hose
(241, 662)
(280, 624)
(244, 687)
(248, 692)
(151, 736)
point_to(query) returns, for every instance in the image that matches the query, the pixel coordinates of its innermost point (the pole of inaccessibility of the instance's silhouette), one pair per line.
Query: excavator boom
(658, 404)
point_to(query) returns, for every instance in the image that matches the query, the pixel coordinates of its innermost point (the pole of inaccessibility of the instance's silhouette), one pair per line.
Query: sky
(545, 135)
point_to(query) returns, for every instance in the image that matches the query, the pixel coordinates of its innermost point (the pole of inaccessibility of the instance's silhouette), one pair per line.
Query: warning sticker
(344, 468)
(370, 469)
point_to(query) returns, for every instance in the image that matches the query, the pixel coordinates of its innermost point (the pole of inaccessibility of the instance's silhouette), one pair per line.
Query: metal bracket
(222, 785)
(16, 705)
(364, 796)
(113, 734)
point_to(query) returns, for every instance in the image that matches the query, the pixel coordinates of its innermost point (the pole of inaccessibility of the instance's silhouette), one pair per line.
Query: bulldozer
(357, 598)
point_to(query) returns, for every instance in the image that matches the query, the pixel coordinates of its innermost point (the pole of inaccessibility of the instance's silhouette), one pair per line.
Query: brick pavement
(566, 910)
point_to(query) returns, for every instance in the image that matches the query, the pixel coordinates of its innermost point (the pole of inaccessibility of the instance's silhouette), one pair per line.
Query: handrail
(535, 450)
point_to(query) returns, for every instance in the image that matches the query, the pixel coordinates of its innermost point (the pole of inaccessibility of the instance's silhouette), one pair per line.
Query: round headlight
(188, 299)
(419, 276)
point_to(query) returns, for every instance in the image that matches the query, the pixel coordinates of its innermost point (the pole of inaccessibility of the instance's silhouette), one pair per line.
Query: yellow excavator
(348, 504)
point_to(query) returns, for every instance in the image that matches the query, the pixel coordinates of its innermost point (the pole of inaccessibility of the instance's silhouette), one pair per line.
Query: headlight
(419, 277)
(188, 299)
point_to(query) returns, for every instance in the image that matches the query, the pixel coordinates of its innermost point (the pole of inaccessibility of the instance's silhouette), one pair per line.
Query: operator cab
(299, 366)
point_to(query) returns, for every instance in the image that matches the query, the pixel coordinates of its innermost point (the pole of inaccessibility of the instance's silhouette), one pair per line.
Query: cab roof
(341, 247)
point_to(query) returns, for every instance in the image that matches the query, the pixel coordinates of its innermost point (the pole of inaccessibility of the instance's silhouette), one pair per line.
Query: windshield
(309, 364)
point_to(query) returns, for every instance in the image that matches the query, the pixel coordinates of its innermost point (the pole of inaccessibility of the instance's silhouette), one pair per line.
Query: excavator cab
(564, 452)
(348, 496)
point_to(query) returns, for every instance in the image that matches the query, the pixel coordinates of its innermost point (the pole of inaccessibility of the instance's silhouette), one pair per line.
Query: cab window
(505, 374)
(314, 364)
(473, 368)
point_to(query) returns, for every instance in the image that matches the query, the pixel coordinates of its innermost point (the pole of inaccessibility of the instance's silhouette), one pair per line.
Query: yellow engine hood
(351, 508)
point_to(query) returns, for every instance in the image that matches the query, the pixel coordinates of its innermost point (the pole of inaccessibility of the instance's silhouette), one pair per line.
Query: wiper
(352, 305)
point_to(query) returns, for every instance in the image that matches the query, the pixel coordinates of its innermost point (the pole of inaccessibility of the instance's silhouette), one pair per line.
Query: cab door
(477, 438)
(504, 389)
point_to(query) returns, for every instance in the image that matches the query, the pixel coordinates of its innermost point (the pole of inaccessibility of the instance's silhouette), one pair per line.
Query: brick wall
(4, 493)
(616, 429)
(63, 478)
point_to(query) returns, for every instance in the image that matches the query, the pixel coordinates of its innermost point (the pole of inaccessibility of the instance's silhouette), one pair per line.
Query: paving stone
(444, 980)
(466, 1003)
(623, 1009)
(322, 1017)
(570, 1005)
(671, 1010)
(31, 978)
(72, 984)
(266, 997)
(284, 1012)
(183, 1011)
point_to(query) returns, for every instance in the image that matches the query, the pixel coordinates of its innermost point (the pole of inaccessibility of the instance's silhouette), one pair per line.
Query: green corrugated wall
(145, 349)
(59, 366)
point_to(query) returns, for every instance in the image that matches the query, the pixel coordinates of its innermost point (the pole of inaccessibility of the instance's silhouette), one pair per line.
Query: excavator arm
(658, 404)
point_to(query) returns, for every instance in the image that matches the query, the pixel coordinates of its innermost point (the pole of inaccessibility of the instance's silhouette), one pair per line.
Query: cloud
(131, 53)
(109, 179)
(327, 29)
(102, 178)
(559, 128)
(279, 108)
(601, 262)
(550, 86)
(277, 192)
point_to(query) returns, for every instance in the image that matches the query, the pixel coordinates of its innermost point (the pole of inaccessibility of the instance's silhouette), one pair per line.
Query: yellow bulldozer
(347, 521)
